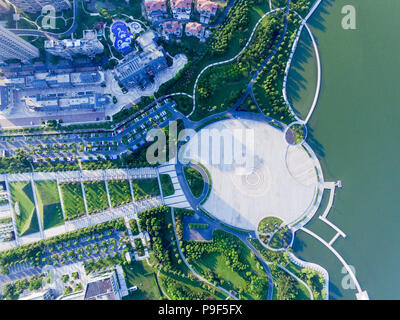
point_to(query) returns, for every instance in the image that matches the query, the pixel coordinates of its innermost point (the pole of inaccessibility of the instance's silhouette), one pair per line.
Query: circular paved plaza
(254, 172)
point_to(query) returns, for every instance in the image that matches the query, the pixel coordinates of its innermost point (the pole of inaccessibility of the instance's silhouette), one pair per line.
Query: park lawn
(281, 239)
(194, 180)
(145, 188)
(173, 247)
(49, 203)
(74, 205)
(140, 274)
(186, 83)
(216, 262)
(222, 99)
(96, 196)
(302, 292)
(266, 225)
(233, 280)
(248, 105)
(167, 185)
(187, 285)
(26, 220)
(120, 192)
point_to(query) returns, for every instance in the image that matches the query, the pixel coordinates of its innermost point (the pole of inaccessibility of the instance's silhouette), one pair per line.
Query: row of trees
(237, 20)
(273, 74)
(223, 243)
(153, 221)
(33, 252)
(12, 291)
(263, 42)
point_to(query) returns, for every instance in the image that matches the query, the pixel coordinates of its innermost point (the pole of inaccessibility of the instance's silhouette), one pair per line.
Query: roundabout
(278, 179)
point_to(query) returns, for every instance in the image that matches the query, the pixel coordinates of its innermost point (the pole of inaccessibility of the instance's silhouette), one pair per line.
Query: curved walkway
(312, 266)
(31, 32)
(189, 266)
(352, 275)
(288, 65)
(226, 61)
(299, 280)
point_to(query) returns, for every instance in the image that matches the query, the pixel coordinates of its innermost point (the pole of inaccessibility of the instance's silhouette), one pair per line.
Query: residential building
(103, 288)
(139, 68)
(156, 9)
(194, 29)
(181, 9)
(46, 80)
(89, 45)
(14, 47)
(172, 28)
(4, 7)
(207, 9)
(34, 6)
(57, 102)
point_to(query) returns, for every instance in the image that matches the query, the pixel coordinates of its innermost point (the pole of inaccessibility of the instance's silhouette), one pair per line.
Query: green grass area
(120, 192)
(228, 262)
(269, 224)
(199, 54)
(221, 86)
(286, 287)
(49, 205)
(74, 206)
(166, 185)
(134, 227)
(268, 87)
(96, 196)
(194, 180)
(145, 188)
(188, 288)
(248, 105)
(281, 238)
(24, 207)
(184, 104)
(198, 226)
(140, 274)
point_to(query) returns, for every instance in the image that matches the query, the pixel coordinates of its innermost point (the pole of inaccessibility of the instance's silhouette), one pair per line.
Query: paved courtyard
(279, 180)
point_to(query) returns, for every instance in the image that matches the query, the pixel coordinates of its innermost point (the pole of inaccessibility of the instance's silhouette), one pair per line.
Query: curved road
(29, 32)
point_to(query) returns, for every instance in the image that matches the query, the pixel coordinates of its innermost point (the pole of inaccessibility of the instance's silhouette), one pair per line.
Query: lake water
(355, 131)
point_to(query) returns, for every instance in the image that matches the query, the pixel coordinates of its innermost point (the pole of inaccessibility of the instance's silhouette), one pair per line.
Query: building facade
(14, 47)
(34, 6)
(194, 29)
(171, 28)
(89, 45)
(141, 67)
(207, 9)
(181, 9)
(155, 9)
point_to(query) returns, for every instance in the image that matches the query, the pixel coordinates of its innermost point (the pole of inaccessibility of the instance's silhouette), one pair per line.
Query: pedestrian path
(315, 267)
(178, 199)
(361, 295)
(120, 273)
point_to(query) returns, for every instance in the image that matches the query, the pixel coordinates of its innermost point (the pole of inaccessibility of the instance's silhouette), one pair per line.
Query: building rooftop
(147, 40)
(182, 4)
(100, 290)
(171, 26)
(194, 28)
(206, 5)
(156, 5)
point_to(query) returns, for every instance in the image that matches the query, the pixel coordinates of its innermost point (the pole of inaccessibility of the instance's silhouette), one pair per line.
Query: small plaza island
(281, 181)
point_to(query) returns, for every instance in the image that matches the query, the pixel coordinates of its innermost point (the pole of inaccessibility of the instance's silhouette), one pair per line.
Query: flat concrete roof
(280, 181)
